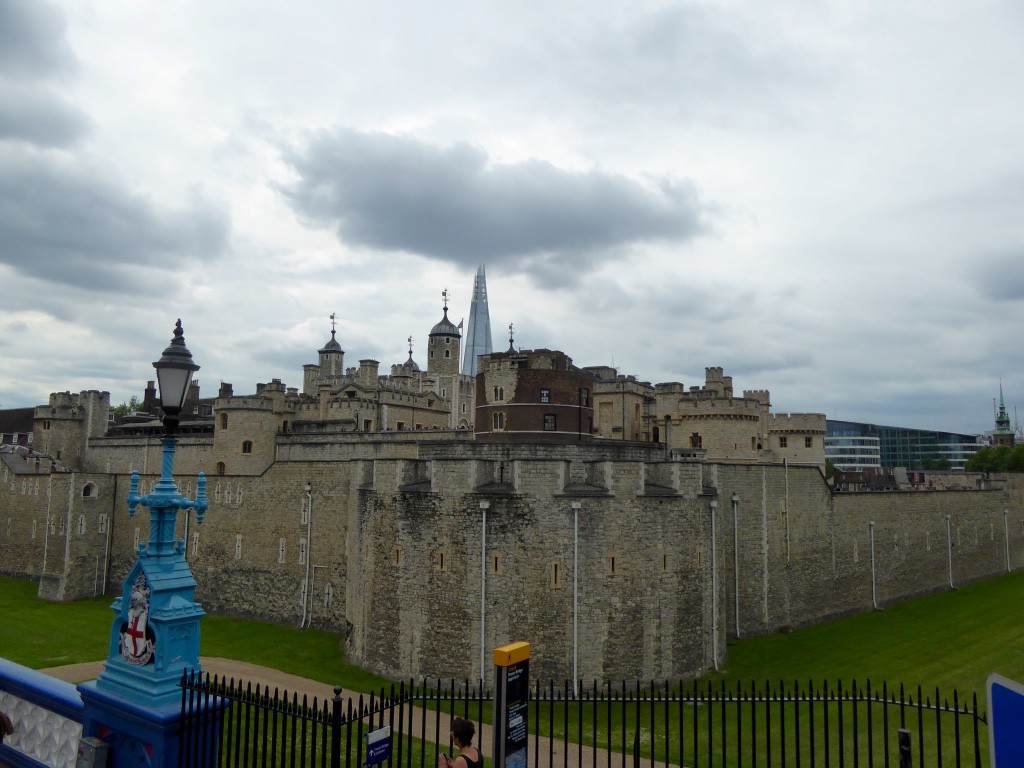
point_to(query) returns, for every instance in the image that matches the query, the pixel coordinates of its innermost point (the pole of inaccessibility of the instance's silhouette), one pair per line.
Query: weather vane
(444, 295)
(410, 346)
(332, 322)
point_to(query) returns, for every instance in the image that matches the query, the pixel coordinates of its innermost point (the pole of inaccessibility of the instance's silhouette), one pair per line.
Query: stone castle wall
(392, 554)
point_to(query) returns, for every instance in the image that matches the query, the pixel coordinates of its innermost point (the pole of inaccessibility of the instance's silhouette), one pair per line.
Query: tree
(1003, 458)
(126, 409)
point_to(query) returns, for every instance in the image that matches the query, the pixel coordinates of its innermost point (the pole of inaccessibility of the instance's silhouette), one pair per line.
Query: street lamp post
(155, 636)
(135, 705)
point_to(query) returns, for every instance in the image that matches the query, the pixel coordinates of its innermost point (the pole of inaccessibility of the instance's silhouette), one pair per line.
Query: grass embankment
(949, 640)
(40, 634)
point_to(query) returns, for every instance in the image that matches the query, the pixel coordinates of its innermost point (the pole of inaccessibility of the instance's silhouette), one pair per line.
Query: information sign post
(1006, 713)
(511, 702)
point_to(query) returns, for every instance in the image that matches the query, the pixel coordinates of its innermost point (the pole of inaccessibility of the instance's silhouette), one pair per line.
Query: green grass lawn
(949, 640)
(39, 634)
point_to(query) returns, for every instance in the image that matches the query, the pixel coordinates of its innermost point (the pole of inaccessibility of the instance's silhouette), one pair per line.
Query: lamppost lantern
(174, 373)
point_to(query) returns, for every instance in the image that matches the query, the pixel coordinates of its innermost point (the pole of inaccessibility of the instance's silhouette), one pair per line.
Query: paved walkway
(555, 754)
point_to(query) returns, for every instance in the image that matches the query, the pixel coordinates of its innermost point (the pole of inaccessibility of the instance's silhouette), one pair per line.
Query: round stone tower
(443, 348)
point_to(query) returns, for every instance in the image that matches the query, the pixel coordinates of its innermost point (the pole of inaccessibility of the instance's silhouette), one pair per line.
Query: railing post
(906, 760)
(336, 728)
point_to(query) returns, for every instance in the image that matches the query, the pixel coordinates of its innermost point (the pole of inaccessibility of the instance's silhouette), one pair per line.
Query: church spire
(1003, 434)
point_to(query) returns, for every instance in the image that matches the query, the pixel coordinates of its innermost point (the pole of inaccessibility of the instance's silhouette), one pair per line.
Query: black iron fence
(229, 723)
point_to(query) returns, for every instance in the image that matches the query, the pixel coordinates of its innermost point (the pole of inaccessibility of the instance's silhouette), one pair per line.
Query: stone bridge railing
(47, 717)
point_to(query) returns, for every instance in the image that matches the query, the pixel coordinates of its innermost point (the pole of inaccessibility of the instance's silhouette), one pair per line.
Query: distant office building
(852, 445)
(850, 450)
(478, 334)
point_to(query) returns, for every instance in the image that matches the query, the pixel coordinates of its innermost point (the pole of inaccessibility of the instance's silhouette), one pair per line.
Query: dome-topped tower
(444, 346)
(410, 367)
(330, 368)
(332, 356)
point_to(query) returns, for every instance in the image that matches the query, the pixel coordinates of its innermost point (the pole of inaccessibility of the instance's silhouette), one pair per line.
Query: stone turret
(63, 426)
(444, 346)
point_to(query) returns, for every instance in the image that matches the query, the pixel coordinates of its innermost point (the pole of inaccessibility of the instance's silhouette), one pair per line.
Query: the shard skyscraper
(477, 340)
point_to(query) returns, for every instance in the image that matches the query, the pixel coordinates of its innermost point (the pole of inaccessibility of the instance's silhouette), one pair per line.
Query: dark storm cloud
(33, 52)
(1001, 277)
(65, 223)
(39, 116)
(396, 193)
(32, 42)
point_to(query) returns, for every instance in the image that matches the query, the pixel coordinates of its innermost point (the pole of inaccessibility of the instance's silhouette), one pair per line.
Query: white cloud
(823, 198)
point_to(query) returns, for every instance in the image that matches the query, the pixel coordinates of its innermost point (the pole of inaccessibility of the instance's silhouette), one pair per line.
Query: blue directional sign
(1006, 722)
(378, 746)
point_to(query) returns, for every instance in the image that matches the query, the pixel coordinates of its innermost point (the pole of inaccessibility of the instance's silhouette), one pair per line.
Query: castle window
(783, 442)
(396, 559)
(135, 540)
(545, 395)
(447, 340)
(195, 544)
(221, 469)
(247, 446)
(499, 421)
(497, 563)
(555, 581)
(584, 397)
(447, 353)
(238, 547)
(550, 422)
(223, 421)
(81, 524)
(302, 551)
(281, 544)
(808, 442)
(102, 524)
(696, 441)
(612, 564)
(440, 562)
(304, 517)
(88, 491)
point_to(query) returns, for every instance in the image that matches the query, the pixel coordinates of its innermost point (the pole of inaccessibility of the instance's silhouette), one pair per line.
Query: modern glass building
(478, 333)
(854, 445)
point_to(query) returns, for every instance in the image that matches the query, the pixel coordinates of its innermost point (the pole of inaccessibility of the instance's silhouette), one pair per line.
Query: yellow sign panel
(510, 654)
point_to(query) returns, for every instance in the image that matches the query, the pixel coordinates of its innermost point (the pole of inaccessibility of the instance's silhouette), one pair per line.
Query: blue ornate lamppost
(155, 634)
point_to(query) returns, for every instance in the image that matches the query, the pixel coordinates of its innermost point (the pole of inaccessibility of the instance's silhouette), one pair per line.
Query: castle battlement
(805, 422)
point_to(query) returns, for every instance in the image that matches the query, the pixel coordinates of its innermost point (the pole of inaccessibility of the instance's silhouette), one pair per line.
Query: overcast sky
(824, 198)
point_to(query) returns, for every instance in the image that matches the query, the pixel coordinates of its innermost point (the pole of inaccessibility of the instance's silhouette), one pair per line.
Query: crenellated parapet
(811, 423)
